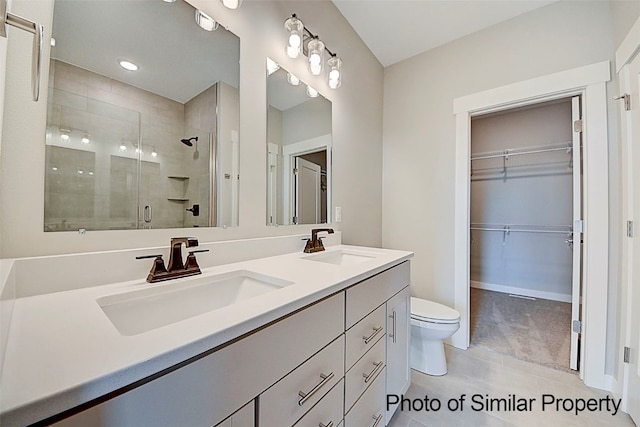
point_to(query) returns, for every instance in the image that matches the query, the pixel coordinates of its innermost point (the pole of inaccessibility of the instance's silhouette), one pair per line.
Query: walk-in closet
(525, 201)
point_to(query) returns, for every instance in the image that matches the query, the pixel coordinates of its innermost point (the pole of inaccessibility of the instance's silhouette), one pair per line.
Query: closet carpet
(535, 331)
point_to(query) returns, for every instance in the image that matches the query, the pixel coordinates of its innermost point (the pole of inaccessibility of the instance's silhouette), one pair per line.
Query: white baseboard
(521, 291)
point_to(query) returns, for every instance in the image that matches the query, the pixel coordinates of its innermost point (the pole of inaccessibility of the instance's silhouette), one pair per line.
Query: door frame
(589, 82)
(289, 151)
(628, 50)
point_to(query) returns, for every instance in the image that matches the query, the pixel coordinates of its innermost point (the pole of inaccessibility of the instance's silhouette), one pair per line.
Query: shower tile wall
(115, 113)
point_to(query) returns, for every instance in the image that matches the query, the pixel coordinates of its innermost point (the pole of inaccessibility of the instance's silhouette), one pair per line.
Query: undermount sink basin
(342, 257)
(156, 306)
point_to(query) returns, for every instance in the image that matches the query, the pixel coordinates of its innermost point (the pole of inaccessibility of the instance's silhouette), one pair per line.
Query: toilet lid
(430, 311)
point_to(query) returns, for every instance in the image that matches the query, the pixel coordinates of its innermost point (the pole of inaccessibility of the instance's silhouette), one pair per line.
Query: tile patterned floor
(482, 372)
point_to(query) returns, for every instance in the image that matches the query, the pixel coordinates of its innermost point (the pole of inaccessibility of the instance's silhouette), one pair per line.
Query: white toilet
(431, 323)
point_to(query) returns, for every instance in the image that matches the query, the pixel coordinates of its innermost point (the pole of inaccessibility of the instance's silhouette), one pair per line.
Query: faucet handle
(157, 267)
(191, 263)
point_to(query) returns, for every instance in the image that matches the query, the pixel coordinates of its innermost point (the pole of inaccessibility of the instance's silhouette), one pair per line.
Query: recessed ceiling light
(169, 1)
(128, 65)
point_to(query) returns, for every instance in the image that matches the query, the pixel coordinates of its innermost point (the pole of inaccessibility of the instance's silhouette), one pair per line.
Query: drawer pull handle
(393, 328)
(326, 425)
(375, 332)
(378, 419)
(307, 396)
(371, 374)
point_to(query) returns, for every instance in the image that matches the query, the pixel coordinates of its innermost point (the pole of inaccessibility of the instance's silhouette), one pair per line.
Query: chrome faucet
(314, 244)
(176, 267)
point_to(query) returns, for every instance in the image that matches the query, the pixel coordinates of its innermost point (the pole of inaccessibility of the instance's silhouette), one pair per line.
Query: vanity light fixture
(154, 153)
(65, 134)
(295, 28)
(302, 39)
(85, 139)
(316, 55)
(335, 79)
(123, 146)
(231, 4)
(205, 22)
(311, 92)
(128, 65)
(293, 80)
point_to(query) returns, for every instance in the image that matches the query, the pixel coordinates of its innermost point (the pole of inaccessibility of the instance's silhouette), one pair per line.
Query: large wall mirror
(152, 147)
(299, 151)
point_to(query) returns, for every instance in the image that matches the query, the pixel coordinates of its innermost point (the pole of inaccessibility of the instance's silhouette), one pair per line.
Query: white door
(576, 278)
(630, 81)
(307, 192)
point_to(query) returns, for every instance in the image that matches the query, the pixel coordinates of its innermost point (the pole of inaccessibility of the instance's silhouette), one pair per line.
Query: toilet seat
(429, 311)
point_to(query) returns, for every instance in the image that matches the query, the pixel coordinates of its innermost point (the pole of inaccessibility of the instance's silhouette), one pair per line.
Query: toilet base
(427, 356)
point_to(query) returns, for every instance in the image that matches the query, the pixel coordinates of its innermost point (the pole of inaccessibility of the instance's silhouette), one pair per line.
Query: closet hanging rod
(523, 230)
(508, 154)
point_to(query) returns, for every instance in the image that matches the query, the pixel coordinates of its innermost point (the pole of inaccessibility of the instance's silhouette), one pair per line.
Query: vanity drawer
(369, 410)
(364, 335)
(291, 397)
(327, 411)
(364, 297)
(363, 373)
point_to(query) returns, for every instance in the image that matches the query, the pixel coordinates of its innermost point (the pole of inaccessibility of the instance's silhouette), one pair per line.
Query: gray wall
(357, 128)
(535, 191)
(419, 127)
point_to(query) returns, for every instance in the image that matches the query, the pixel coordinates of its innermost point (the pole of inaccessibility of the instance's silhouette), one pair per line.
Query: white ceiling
(398, 29)
(177, 58)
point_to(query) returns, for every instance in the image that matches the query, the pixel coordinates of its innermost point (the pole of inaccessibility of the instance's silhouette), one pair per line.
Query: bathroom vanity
(323, 347)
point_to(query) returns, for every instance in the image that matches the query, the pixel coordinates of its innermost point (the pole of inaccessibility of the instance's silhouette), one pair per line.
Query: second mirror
(299, 151)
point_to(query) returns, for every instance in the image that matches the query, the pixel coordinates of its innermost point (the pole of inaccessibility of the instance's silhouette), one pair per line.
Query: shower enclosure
(111, 167)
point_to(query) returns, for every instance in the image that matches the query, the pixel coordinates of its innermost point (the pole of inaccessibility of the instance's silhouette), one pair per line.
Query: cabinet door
(245, 417)
(398, 324)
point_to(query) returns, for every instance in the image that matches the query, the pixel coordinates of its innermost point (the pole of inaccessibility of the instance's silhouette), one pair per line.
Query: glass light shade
(293, 80)
(205, 22)
(231, 4)
(295, 28)
(316, 55)
(311, 92)
(335, 78)
(85, 139)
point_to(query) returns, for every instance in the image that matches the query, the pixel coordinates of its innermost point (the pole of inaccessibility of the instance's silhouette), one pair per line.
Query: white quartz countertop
(63, 350)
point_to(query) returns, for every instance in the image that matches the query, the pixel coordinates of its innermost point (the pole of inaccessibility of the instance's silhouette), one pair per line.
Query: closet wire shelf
(508, 154)
(507, 229)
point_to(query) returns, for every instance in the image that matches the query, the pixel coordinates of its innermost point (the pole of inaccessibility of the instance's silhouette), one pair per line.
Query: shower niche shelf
(178, 186)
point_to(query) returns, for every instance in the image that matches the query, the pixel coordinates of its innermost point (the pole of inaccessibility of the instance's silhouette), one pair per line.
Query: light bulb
(205, 22)
(65, 137)
(295, 28)
(231, 4)
(311, 92)
(123, 147)
(85, 139)
(294, 39)
(154, 153)
(316, 52)
(293, 80)
(335, 79)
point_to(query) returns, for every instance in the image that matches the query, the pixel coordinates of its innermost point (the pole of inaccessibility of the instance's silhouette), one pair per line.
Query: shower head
(187, 141)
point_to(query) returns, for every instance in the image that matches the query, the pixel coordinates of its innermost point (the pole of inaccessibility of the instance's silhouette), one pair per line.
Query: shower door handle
(147, 214)
(38, 33)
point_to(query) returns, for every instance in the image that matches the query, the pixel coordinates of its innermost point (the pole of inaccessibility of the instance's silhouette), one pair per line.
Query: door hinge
(577, 126)
(627, 101)
(576, 326)
(629, 228)
(627, 354)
